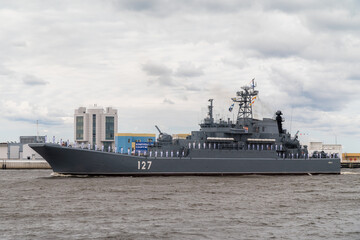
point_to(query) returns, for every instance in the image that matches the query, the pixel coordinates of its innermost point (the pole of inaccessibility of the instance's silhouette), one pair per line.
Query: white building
(95, 126)
(327, 148)
(17, 151)
(3, 151)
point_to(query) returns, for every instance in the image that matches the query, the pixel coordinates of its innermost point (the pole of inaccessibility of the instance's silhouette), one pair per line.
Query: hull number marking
(144, 165)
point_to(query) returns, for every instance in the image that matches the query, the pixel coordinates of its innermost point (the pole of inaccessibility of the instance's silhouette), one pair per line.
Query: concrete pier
(350, 164)
(24, 164)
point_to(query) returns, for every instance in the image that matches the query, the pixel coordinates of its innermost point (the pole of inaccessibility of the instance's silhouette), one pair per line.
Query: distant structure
(327, 148)
(350, 160)
(3, 150)
(95, 126)
(131, 142)
(32, 139)
(21, 150)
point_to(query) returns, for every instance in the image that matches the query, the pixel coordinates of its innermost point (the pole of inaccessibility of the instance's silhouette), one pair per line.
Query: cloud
(189, 70)
(139, 5)
(160, 71)
(338, 19)
(154, 69)
(354, 76)
(297, 6)
(327, 122)
(30, 113)
(304, 55)
(168, 101)
(192, 87)
(239, 63)
(167, 77)
(165, 8)
(20, 44)
(33, 81)
(308, 90)
(5, 71)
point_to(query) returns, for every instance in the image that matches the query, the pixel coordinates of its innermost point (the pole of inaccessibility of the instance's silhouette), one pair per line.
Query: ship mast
(211, 111)
(245, 99)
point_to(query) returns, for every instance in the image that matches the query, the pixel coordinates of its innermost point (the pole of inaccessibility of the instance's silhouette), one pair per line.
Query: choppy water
(36, 205)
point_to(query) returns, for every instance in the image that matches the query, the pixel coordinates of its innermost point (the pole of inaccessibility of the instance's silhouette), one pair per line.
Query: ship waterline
(79, 161)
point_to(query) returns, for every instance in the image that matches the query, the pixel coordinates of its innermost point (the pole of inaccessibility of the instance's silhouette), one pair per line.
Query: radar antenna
(245, 99)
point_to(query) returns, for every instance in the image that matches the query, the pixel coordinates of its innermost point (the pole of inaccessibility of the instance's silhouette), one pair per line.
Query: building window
(109, 128)
(80, 128)
(94, 129)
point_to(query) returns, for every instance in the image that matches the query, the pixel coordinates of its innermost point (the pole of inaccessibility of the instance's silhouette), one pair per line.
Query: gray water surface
(36, 205)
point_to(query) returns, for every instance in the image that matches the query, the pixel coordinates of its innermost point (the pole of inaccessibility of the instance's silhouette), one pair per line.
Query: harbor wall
(24, 164)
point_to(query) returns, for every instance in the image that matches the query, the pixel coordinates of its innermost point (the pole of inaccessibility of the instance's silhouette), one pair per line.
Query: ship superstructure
(246, 133)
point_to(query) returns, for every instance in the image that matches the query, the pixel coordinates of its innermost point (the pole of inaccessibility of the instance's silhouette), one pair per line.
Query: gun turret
(163, 138)
(158, 129)
(296, 135)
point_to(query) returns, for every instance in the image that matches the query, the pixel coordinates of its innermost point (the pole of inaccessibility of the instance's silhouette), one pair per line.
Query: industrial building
(21, 150)
(95, 126)
(350, 160)
(32, 139)
(3, 151)
(131, 142)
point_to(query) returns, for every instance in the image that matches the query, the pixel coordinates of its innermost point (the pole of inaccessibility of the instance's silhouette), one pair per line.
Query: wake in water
(350, 173)
(60, 175)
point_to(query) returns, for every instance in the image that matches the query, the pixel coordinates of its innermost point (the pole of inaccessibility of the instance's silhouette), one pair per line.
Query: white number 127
(144, 165)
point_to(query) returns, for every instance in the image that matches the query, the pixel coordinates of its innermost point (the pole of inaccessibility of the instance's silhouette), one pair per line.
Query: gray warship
(244, 146)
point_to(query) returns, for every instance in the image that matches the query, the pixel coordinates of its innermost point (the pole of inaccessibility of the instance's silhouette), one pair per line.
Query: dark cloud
(296, 6)
(191, 87)
(317, 100)
(167, 8)
(160, 71)
(30, 113)
(166, 81)
(33, 81)
(139, 5)
(32, 120)
(338, 19)
(166, 76)
(311, 92)
(154, 69)
(189, 70)
(355, 77)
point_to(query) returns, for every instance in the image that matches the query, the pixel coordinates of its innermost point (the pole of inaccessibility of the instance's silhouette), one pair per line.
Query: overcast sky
(158, 62)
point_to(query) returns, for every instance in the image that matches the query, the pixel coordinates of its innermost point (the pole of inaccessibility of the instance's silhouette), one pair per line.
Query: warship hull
(67, 160)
